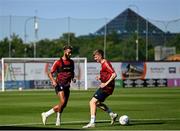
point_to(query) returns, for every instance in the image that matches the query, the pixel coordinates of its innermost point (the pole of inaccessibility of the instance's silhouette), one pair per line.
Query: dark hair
(67, 47)
(99, 51)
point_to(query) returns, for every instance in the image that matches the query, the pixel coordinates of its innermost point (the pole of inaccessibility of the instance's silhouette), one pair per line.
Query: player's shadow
(31, 128)
(146, 122)
(135, 122)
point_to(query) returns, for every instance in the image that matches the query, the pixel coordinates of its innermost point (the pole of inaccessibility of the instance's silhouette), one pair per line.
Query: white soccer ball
(20, 88)
(124, 120)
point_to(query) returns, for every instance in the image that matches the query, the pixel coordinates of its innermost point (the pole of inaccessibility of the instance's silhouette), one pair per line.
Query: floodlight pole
(25, 31)
(10, 24)
(137, 39)
(36, 33)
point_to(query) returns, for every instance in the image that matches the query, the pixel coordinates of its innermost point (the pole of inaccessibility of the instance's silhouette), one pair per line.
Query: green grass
(148, 109)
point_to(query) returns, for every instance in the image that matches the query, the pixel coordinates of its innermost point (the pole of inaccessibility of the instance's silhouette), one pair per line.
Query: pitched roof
(129, 22)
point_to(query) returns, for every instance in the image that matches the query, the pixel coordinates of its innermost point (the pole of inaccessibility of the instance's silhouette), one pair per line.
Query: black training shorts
(60, 87)
(100, 95)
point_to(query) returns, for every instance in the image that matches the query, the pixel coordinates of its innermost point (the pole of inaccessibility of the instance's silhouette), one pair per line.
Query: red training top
(105, 74)
(64, 70)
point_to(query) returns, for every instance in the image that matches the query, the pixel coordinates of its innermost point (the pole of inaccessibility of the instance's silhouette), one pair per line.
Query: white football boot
(44, 118)
(113, 118)
(89, 125)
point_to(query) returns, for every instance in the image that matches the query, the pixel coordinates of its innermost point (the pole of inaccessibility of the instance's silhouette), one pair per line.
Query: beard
(67, 56)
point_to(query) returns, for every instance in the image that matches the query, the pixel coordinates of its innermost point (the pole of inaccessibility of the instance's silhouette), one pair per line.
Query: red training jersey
(64, 70)
(105, 74)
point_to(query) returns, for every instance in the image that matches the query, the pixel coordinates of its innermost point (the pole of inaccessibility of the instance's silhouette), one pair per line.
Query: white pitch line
(69, 122)
(21, 124)
(80, 122)
(163, 119)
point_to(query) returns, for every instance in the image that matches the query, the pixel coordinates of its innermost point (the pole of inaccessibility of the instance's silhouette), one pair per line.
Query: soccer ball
(20, 88)
(124, 120)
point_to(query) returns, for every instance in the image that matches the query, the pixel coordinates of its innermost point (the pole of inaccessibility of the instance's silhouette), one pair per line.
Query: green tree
(4, 47)
(17, 46)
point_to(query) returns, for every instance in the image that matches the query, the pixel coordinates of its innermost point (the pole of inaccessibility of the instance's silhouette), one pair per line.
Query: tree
(17, 46)
(4, 47)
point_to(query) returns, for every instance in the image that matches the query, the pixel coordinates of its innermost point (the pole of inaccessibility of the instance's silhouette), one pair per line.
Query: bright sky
(154, 9)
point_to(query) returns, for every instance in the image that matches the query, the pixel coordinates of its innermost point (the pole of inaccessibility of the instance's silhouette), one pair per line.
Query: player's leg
(105, 108)
(66, 98)
(92, 105)
(56, 108)
(59, 108)
(97, 97)
(63, 97)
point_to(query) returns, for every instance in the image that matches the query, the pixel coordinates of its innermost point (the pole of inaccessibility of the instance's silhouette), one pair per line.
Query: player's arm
(113, 76)
(54, 83)
(50, 74)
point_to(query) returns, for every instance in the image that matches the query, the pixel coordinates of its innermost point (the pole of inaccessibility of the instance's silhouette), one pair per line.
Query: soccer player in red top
(64, 70)
(107, 78)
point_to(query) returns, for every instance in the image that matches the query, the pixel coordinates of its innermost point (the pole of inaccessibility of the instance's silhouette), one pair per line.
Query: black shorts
(60, 87)
(100, 95)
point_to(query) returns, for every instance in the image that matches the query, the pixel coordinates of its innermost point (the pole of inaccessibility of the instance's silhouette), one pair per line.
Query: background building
(128, 23)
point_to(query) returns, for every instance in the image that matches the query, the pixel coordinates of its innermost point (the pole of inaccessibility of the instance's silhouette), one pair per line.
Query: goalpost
(31, 73)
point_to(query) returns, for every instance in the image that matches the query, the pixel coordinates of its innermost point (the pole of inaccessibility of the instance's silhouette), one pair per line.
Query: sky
(164, 10)
(155, 9)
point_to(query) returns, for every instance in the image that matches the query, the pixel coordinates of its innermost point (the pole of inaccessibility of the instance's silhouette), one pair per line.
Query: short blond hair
(99, 52)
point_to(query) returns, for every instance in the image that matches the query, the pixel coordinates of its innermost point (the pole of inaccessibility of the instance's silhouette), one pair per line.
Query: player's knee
(91, 103)
(56, 108)
(62, 102)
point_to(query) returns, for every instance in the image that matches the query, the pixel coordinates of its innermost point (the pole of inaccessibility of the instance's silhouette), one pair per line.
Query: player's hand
(97, 77)
(102, 85)
(54, 83)
(74, 80)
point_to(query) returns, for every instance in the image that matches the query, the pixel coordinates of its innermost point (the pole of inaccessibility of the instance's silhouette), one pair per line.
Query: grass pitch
(147, 108)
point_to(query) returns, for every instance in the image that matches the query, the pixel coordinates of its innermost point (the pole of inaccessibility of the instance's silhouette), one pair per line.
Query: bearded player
(64, 69)
(107, 78)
